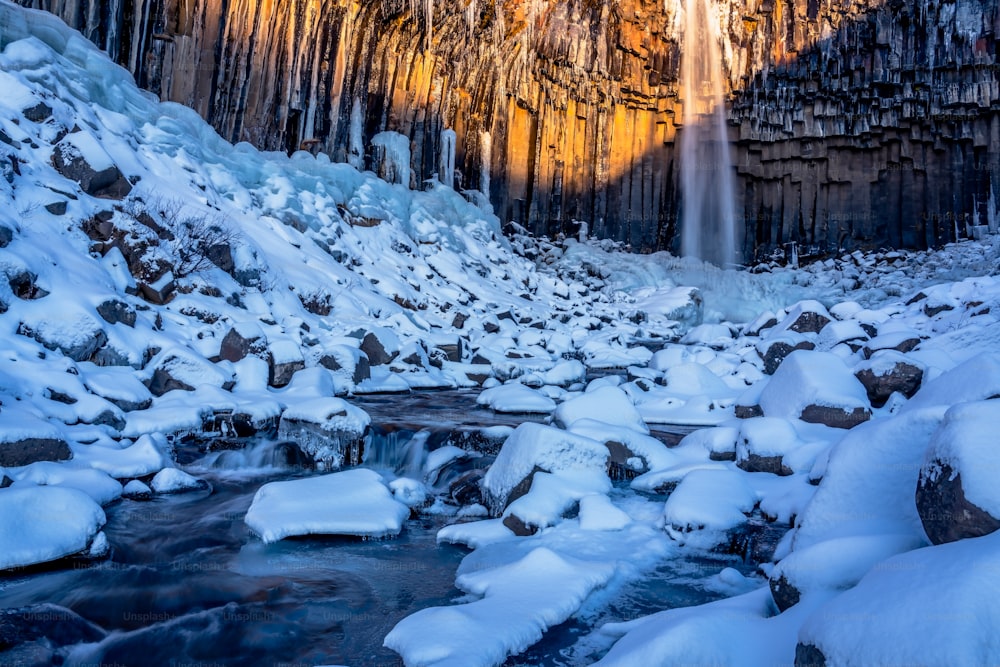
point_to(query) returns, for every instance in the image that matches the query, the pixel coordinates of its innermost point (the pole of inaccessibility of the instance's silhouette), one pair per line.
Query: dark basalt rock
(807, 655)
(903, 378)
(29, 450)
(115, 311)
(236, 347)
(778, 350)
(107, 183)
(945, 512)
(783, 593)
(836, 417)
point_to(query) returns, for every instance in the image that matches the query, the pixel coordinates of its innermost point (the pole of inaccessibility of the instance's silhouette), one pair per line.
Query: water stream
(187, 583)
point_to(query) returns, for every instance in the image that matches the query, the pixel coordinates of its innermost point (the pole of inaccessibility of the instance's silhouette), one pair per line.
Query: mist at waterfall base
(708, 219)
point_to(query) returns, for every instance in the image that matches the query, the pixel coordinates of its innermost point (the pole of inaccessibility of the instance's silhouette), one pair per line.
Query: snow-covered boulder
(809, 316)
(65, 327)
(39, 524)
(515, 398)
(866, 496)
(80, 157)
(380, 345)
(763, 443)
(888, 372)
(350, 362)
(707, 508)
(935, 606)
(606, 404)
(180, 368)
(143, 457)
(175, 480)
(244, 339)
(533, 447)
(957, 496)
(329, 430)
(816, 387)
(24, 439)
(353, 502)
(976, 379)
(775, 348)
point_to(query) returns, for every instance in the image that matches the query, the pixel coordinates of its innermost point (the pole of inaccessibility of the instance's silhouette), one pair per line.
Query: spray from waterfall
(708, 222)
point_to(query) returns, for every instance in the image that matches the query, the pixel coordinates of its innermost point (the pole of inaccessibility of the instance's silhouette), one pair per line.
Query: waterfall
(708, 222)
(446, 160)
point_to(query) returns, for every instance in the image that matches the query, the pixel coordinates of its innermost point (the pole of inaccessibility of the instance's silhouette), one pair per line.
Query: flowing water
(187, 583)
(708, 223)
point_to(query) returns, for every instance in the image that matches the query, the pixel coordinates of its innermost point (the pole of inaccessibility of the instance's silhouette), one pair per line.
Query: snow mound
(45, 523)
(353, 502)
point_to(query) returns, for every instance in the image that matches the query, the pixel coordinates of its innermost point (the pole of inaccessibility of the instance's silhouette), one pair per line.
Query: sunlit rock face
(862, 125)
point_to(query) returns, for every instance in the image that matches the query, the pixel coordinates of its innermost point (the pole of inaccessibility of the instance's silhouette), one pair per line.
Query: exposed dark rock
(618, 462)
(376, 352)
(238, 344)
(162, 382)
(115, 311)
(757, 463)
(5, 481)
(777, 350)
(833, 416)
(807, 655)
(748, 411)
(362, 369)
(517, 525)
(29, 450)
(904, 378)
(465, 490)
(946, 513)
(459, 320)
(159, 292)
(38, 113)
(279, 374)
(6, 235)
(108, 183)
(783, 593)
(56, 208)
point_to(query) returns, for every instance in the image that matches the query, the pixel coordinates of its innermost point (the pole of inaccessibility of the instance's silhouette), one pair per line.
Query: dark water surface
(187, 584)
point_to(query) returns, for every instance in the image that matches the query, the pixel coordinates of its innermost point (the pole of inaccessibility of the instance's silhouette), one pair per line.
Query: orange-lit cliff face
(869, 124)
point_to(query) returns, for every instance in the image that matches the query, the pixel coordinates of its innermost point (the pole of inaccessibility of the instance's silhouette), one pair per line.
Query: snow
(143, 457)
(45, 523)
(518, 602)
(101, 487)
(807, 378)
(605, 404)
(533, 446)
(516, 398)
(932, 606)
(173, 480)
(597, 512)
(966, 441)
(352, 502)
(706, 504)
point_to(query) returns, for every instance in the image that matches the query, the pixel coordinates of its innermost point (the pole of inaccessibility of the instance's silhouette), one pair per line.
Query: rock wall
(868, 123)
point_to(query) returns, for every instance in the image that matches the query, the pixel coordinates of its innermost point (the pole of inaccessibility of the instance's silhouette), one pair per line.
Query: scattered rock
(774, 350)
(246, 338)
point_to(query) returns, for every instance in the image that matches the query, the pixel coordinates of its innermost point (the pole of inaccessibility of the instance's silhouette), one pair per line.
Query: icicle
(392, 154)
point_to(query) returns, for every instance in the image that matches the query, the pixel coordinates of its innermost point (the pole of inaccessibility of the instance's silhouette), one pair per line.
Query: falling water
(708, 222)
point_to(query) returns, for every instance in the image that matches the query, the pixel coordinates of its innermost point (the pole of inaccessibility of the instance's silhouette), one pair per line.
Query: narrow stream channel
(187, 583)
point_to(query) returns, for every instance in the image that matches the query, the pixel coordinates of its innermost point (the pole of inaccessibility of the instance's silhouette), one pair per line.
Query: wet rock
(465, 489)
(330, 431)
(47, 623)
(517, 526)
(784, 594)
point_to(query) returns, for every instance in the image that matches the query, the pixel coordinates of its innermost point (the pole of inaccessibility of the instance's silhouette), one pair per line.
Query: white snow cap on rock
(39, 524)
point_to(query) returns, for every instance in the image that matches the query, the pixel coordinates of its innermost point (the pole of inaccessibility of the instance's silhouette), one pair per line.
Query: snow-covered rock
(39, 524)
(610, 405)
(957, 495)
(352, 502)
(329, 430)
(707, 507)
(815, 387)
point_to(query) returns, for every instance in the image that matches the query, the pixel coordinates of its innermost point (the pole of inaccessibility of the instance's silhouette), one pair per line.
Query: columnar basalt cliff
(852, 124)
